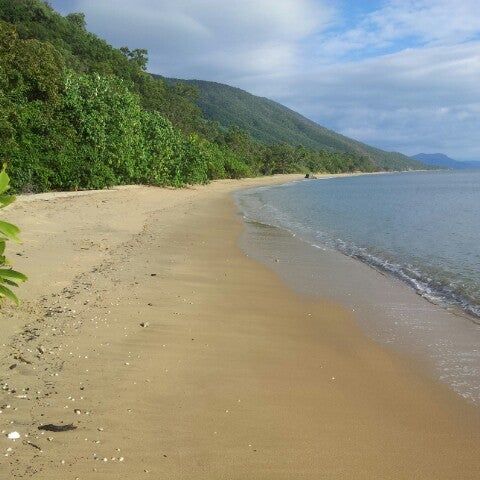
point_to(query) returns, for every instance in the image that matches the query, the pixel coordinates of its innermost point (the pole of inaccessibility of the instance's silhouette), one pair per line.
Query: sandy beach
(176, 356)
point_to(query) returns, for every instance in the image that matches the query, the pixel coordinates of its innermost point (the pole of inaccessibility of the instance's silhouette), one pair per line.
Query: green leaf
(9, 273)
(2, 247)
(4, 181)
(7, 293)
(9, 231)
(6, 200)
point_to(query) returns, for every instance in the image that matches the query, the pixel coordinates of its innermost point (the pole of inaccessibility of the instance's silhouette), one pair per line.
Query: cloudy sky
(399, 74)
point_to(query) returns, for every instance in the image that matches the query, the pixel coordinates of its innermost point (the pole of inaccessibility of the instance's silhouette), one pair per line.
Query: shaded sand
(235, 375)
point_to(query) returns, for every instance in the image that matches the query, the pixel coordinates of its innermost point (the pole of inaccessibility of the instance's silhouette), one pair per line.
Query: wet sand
(444, 341)
(233, 374)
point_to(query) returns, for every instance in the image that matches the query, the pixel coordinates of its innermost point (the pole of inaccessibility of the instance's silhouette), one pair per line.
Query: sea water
(420, 232)
(422, 227)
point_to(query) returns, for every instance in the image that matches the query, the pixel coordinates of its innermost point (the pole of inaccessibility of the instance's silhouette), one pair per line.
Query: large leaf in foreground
(6, 200)
(10, 231)
(7, 293)
(12, 274)
(4, 181)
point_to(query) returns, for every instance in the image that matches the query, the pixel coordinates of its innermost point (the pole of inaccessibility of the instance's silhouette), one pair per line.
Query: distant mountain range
(270, 123)
(441, 160)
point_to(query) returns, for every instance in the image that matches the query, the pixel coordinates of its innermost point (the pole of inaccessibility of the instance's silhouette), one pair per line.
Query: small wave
(426, 285)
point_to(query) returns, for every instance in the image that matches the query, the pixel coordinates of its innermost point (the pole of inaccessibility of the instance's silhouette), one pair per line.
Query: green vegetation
(76, 113)
(8, 277)
(270, 123)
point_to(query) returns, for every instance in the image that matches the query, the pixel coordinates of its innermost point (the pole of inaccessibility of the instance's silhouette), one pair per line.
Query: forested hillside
(77, 113)
(271, 122)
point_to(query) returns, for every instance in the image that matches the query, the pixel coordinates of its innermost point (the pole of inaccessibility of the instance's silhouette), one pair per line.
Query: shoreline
(232, 375)
(454, 305)
(441, 337)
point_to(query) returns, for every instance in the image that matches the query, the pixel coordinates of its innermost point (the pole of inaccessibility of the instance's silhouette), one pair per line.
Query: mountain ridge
(271, 122)
(442, 160)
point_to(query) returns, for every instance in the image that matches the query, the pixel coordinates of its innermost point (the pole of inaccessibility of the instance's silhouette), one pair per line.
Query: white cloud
(399, 21)
(420, 99)
(412, 87)
(210, 38)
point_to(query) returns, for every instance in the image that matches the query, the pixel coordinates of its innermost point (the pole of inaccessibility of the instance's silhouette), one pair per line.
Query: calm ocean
(421, 227)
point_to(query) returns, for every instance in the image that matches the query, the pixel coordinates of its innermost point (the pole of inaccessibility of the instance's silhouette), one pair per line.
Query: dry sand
(234, 376)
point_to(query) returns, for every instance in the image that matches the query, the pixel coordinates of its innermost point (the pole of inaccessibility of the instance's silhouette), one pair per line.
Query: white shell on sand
(13, 436)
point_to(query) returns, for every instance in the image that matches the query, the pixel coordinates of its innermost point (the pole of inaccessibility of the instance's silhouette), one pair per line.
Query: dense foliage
(77, 113)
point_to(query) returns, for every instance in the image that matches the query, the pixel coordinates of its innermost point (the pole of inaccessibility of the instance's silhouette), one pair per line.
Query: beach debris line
(50, 427)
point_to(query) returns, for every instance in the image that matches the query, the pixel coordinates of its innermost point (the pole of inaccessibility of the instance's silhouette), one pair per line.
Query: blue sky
(399, 74)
